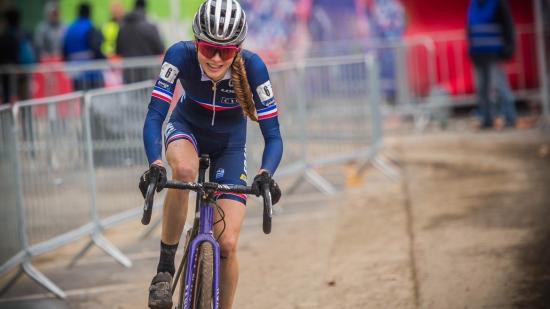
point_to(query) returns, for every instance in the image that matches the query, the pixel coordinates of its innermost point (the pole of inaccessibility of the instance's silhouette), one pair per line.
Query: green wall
(33, 10)
(159, 9)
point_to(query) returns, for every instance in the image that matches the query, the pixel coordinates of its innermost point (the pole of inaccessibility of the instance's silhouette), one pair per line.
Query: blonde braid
(242, 87)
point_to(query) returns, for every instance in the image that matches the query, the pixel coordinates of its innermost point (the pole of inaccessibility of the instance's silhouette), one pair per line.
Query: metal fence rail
(53, 166)
(50, 79)
(329, 114)
(117, 118)
(11, 244)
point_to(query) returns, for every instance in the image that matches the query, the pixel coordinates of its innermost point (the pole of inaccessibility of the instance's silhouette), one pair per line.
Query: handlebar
(213, 187)
(268, 209)
(197, 187)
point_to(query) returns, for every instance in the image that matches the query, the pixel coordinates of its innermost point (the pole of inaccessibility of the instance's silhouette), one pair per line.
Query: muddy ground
(466, 226)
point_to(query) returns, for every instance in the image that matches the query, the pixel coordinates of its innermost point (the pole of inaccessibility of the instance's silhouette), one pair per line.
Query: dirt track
(466, 227)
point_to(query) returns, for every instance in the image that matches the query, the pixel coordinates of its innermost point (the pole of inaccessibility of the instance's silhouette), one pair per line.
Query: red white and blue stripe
(266, 113)
(180, 135)
(162, 94)
(219, 106)
(242, 197)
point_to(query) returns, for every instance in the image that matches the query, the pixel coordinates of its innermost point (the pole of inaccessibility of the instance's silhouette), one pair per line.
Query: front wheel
(202, 292)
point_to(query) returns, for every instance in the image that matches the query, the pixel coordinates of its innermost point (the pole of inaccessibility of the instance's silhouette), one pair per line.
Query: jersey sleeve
(266, 108)
(161, 97)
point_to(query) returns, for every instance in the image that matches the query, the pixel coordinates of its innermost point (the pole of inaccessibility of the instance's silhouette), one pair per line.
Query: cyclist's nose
(217, 57)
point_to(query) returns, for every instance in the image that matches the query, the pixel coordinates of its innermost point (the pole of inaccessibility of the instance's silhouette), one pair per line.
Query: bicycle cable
(222, 219)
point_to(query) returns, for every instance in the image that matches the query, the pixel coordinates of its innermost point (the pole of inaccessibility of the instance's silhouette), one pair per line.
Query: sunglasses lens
(209, 51)
(227, 53)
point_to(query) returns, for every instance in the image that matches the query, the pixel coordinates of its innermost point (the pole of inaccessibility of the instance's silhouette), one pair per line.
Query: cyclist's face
(215, 67)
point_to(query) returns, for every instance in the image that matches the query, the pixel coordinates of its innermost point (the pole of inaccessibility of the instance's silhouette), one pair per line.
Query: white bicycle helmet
(221, 22)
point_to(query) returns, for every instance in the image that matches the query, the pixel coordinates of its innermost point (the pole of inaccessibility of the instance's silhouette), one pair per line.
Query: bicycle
(199, 288)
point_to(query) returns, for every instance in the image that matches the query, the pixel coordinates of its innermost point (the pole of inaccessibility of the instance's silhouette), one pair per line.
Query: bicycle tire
(183, 264)
(202, 291)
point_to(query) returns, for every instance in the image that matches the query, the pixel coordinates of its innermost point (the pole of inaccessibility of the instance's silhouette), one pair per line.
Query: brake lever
(148, 204)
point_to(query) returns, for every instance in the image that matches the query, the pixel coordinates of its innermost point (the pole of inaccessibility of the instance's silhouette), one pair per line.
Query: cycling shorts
(227, 153)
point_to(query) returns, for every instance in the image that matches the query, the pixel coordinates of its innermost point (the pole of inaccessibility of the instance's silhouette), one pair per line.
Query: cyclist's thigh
(229, 167)
(181, 146)
(234, 213)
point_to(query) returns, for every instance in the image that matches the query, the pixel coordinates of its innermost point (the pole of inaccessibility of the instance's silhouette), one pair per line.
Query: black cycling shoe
(160, 294)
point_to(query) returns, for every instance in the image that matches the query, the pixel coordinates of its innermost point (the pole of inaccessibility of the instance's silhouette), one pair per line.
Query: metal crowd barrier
(67, 167)
(424, 76)
(329, 114)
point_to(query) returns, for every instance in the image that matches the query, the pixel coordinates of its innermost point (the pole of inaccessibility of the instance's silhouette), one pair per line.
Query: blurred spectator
(491, 39)
(271, 25)
(387, 24)
(48, 39)
(138, 37)
(334, 26)
(82, 43)
(15, 49)
(387, 18)
(111, 28)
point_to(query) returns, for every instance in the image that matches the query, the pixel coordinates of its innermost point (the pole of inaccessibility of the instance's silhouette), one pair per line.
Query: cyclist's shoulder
(251, 57)
(180, 52)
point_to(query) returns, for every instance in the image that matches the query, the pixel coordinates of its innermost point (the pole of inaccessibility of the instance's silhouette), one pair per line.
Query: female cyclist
(223, 85)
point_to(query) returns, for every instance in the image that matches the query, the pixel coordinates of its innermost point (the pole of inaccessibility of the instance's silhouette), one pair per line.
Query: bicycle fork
(206, 219)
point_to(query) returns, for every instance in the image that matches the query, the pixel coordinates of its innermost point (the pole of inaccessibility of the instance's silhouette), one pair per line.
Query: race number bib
(168, 72)
(265, 91)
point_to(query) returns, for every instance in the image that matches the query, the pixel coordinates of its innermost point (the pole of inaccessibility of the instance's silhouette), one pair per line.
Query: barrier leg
(42, 280)
(111, 250)
(81, 253)
(12, 281)
(297, 183)
(319, 182)
(387, 168)
(106, 246)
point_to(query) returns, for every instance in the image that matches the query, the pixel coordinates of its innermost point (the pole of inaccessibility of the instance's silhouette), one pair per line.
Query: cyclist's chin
(216, 74)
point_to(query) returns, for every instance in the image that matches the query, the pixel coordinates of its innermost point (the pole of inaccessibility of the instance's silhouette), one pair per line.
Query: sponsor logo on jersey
(227, 90)
(244, 163)
(265, 92)
(169, 129)
(219, 173)
(168, 72)
(228, 100)
(243, 177)
(162, 84)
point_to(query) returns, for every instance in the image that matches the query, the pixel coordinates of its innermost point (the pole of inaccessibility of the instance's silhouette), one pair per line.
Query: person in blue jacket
(224, 85)
(491, 39)
(82, 43)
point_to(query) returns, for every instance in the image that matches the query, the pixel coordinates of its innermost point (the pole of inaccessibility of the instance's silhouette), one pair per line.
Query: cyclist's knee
(184, 172)
(228, 246)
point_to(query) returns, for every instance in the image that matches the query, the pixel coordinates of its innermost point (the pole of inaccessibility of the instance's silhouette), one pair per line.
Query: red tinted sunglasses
(210, 50)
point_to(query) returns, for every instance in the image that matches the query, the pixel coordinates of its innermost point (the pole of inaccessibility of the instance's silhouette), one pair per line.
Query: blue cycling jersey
(211, 107)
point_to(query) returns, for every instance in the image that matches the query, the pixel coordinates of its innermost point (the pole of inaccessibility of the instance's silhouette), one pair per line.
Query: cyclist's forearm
(273, 150)
(272, 155)
(152, 132)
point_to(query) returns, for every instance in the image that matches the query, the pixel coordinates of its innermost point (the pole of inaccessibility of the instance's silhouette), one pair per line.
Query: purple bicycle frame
(205, 234)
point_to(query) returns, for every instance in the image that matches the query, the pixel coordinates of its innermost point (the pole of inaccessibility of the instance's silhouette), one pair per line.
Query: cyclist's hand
(265, 178)
(275, 192)
(155, 171)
